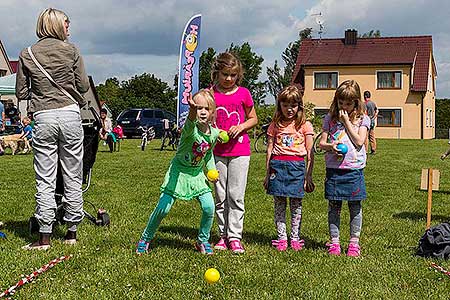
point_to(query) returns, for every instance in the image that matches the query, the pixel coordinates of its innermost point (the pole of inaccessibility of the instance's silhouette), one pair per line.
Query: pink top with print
(288, 140)
(230, 111)
(355, 158)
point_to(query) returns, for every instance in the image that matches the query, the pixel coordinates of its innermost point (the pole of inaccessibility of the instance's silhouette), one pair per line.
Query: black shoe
(70, 238)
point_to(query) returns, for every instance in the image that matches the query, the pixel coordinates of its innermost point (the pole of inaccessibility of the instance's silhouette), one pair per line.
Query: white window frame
(314, 79)
(392, 107)
(385, 71)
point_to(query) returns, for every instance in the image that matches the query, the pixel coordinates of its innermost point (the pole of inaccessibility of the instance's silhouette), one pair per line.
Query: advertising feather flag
(188, 74)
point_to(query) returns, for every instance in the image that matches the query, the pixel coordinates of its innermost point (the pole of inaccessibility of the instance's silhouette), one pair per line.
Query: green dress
(185, 179)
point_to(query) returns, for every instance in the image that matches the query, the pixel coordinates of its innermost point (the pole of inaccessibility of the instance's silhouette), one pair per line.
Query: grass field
(126, 183)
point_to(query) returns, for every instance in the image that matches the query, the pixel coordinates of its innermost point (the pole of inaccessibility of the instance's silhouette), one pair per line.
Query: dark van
(131, 119)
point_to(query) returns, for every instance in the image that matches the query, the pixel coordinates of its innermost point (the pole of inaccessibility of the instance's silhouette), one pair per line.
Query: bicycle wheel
(261, 143)
(143, 143)
(316, 148)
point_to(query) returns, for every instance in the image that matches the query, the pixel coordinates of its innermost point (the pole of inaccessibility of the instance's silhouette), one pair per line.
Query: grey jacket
(64, 63)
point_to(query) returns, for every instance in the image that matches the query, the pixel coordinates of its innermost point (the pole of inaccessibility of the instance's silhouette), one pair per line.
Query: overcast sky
(122, 38)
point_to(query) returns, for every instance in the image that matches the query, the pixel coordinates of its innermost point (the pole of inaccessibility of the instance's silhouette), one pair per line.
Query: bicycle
(261, 140)
(316, 148)
(147, 135)
(171, 138)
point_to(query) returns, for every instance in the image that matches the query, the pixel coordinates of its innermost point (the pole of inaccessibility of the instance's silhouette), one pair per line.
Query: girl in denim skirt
(290, 140)
(344, 133)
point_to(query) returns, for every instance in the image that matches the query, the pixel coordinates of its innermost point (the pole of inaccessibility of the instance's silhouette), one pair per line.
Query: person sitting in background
(106, 124)
(12, 113)
(106, 130)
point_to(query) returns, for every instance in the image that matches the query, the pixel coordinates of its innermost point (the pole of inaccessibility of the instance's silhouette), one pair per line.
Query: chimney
(350, 37)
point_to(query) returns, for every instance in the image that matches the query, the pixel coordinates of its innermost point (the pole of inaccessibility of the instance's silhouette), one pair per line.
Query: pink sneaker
(221, 244)
(236, 246)
(354, 250)
(297, 245)
(281, 245)
(334, 249)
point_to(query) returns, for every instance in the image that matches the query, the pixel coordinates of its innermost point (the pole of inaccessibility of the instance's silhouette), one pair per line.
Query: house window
(389, 80)
(2, 72)
(431, 118)
(389, 117)
(325, 80)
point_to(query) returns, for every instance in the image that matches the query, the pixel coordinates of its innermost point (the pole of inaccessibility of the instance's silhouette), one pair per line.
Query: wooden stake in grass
(430, 196)
(429, 181)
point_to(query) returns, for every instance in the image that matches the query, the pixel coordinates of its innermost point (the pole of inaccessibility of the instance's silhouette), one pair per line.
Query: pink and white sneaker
(236, 246)
(281, 245)
(221, 244)
(297, 245)
(354, 250)
(334, 249)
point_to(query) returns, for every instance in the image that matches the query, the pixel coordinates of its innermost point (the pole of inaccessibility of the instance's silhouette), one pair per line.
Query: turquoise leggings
(165, 204)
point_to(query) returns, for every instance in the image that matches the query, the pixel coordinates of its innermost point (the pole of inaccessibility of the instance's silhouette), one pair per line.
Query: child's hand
(334, 148)
(309, 185)
(343, 116)
(234, 131)
(191, 102)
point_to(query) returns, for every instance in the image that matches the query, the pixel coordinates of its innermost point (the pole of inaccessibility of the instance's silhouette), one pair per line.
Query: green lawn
(126, 183)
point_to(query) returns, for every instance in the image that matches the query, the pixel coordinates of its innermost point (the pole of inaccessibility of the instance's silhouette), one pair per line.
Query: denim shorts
(286, 178)
(343, 184)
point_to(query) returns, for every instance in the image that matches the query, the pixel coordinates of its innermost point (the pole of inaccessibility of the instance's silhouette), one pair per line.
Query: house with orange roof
(399, 72)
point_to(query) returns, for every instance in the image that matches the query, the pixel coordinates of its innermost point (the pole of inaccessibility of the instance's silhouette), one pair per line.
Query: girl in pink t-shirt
(235, 114)
(290, 140)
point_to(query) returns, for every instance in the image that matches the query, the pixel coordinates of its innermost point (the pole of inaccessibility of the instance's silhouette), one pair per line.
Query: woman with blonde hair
(51, 73)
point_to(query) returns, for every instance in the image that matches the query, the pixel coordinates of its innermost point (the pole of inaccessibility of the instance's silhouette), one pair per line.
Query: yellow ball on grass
(212, 276)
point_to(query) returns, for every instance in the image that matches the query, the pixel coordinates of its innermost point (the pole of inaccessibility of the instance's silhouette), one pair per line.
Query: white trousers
(58, 137)
(230, 193)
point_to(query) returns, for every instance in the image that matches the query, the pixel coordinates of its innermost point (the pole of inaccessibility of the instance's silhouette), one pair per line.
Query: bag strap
(50, 77)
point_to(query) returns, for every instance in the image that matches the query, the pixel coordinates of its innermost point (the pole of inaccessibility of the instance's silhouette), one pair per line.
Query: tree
(206, 61)
(442, 113)
(251, 63)
(111, 93)
(371, 34)
(278, 78)
(141, 91)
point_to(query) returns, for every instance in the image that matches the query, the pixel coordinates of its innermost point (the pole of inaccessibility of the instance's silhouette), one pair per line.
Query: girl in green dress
(185, 179)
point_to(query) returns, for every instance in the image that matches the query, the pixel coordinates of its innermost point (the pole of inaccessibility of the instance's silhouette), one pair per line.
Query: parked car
(131, 119)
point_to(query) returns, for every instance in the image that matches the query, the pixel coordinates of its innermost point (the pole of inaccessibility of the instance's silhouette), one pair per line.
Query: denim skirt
(343, 184)
(286, 178)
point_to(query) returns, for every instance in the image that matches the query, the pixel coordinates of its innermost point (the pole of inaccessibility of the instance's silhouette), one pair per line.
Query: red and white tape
(440, 269)
(33, 275)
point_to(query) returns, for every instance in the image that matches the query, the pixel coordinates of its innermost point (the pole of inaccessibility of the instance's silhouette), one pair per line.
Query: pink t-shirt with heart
(230, 112)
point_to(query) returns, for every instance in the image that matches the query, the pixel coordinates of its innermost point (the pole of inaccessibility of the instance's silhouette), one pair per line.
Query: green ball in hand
(223, 135)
